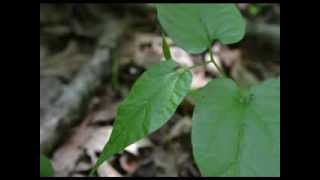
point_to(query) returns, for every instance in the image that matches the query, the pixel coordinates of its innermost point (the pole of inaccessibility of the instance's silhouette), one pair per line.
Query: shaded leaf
(237, 132)
(46, 169)
(195, 26)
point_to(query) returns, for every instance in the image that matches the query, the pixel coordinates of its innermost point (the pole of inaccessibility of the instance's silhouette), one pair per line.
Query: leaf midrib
(143, 107)
(247, 109)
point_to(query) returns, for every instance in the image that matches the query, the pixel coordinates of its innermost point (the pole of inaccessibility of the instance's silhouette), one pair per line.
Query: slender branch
(215, 64)
(221, 70)
(208, 62)
(166, 48)
(203, 64)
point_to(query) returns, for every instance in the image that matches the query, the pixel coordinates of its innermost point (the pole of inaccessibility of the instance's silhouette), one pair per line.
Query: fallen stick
(70, 106)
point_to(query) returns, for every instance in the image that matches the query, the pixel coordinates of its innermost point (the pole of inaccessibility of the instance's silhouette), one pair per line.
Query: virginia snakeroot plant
(235, 130)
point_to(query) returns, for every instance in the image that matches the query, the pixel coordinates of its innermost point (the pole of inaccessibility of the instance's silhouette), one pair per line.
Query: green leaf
(195, 26)
(46, 169)
(254, 9)
(236, 132)
(152, 100)
(166, 48)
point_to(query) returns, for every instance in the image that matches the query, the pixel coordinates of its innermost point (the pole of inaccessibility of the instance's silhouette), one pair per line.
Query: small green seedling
(235, 131)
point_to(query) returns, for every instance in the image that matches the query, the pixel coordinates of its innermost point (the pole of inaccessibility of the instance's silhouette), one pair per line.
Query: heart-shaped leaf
(152, 100)
(236, 132)
(195, 26)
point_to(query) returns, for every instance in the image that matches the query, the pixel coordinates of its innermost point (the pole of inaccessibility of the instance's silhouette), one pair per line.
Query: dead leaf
(183, 126)
(181, 57)
(66, 157)
(199, 78)
(97, 141)
(106, 170)
(129, 162)
(134, 148)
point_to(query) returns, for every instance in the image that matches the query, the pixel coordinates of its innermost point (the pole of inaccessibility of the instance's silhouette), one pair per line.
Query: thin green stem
(219, 69)
(166, 48)
(215, 64)
(203, 64)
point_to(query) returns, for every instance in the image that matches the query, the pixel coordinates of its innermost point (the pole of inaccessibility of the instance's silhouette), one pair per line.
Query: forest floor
(75, 37)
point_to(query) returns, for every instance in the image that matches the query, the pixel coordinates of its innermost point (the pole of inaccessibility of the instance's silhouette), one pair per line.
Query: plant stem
(166, 48)
(222, 73)
(215, 64)
(210, 61)
(221, 70)
(203, 64)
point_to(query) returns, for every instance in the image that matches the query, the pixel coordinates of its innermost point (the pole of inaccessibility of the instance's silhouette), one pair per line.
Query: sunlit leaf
(195, 26)
(151, 102)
